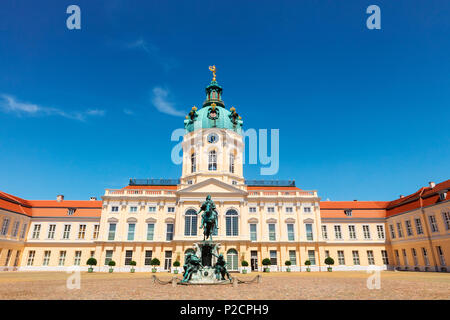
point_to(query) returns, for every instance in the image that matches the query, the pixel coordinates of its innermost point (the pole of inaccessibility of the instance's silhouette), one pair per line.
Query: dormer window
(442, 196)
(70, 211)
(348, 212)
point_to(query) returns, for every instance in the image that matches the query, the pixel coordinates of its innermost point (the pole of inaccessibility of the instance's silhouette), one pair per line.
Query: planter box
(245, 270)
(111, 270)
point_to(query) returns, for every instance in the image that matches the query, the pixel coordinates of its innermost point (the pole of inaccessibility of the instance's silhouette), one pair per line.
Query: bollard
(235, 282)
(259, 278)
(174, 282)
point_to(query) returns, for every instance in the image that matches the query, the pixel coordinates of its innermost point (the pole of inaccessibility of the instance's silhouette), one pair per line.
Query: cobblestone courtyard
(323, 285)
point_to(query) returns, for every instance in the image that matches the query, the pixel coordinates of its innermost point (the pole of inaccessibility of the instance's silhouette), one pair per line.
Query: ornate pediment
(211, 186)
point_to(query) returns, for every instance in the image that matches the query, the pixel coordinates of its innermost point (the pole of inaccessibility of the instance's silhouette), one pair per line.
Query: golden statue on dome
(213, 70)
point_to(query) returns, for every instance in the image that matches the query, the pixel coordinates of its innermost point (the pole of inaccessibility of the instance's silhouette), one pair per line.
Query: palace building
(157, 218)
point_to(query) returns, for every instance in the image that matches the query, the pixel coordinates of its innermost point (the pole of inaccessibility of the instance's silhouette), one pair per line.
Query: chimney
(401, 196)
(59, 197)
(432, 184)
(355, 200)
(93, 198)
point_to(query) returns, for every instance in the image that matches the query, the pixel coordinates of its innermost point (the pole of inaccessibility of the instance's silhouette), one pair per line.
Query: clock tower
(213, 143)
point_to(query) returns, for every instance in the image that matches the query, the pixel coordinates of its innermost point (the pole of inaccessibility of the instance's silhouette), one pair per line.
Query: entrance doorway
(254, 260)
(168, 260)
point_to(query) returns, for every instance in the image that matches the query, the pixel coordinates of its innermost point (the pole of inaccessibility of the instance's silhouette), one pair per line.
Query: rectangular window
(169, 232)
(8, 257)
(150, 231)
(292, 257)
(273, 257)
(114, 209)
(96, 231)
(5, 226)
(24, 230)
(152, 209)
(108, 256)
(51, 231)
(46, 258)
(290, 231)
(384, 255)
(425, 256)
(15, 228)
(112, 231)
(399, 230)
(352, 232)
(327, 254)
(62, 258)
(148, 257)
(133, 209)
(36, 231)
(380, 231)
(92, 254)
(366, 232)
(128, 257)
(391, 228)
(433, 224)
(16, 260)
(272, 234)
(397, 257)
(370, 258)
(405, 257)
(341, 257)
(252, 209)
(414, 255)
(312, 257)
(337, 232)
(171, 209)
(31, 255)
(82, 232)
(441, 255)
(253, 233)
(446, 218)
(167, 260)
(355, 254)
(77, 259)
(289, 210)
(66, 233)
(270, 209)
(309, 232)
(324, 232)
(408, 228)
(231, 224)
(419, 228)
(306, 209)
(131, 228)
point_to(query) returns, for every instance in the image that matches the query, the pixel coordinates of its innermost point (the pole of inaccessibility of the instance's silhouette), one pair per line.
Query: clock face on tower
(212, 138)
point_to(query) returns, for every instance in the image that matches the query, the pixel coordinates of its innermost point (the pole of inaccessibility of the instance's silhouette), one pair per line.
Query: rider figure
(208, 206)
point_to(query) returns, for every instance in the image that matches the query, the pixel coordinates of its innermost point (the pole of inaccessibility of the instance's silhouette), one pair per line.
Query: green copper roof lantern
(213, 113)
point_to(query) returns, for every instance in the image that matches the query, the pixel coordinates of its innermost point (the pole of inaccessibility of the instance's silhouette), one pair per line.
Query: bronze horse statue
(209, 218)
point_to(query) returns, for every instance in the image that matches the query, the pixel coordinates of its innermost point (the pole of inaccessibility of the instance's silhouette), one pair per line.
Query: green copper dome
(213, 113)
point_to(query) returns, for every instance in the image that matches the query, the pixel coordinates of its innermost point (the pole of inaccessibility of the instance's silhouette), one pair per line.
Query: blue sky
(363, 114)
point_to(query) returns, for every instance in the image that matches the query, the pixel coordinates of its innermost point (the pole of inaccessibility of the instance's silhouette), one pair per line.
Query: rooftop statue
(209, 218)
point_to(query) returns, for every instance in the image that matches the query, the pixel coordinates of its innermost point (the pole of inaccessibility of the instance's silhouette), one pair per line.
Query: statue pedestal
(204, 250)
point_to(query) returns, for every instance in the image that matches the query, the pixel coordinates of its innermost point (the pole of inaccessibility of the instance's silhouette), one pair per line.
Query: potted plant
(329, 261)
(91, 262)
(308, 263)
(176, 264)
(266, 263)
(111, 264)
(154, 262)
(132, 264)
(288, 263)
(244, 265)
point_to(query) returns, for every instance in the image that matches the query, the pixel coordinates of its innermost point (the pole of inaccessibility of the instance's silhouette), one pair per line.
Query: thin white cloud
(161, 103)
(128, 112)
(9, 104)
(153, 51)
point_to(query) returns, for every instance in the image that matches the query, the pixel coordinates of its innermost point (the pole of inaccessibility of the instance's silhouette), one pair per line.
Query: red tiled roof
(360, 209)
(15, 204)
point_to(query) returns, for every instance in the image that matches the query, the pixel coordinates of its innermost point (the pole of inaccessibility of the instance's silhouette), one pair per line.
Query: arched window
(190, 223)
(232, 260)
(231, 163)
(231, 221)
(193, 163)
(212, 161)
